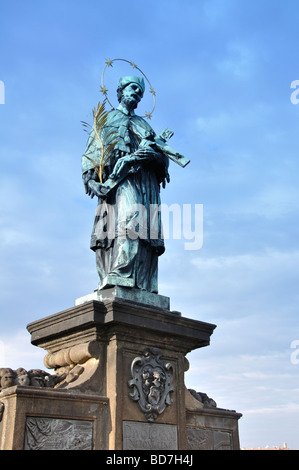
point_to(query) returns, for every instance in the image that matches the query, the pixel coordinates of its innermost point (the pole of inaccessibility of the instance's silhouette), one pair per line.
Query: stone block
(29, 410)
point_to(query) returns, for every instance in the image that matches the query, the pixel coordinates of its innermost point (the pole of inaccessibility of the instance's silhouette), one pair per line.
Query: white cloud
(17, 351)
(287, 408)
(266, 280)
(259, 288)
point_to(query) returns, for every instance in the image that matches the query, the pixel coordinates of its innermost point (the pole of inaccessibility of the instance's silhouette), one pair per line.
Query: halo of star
(104, 90)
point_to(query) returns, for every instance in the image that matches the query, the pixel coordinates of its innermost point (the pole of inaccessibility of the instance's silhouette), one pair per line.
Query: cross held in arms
(161, 143)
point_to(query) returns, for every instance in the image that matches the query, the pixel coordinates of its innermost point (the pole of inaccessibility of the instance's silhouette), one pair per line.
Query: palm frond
(86, 126)
(107, 143)
(96, 167)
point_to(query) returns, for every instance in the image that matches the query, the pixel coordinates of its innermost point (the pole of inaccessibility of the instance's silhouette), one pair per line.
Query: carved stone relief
(208, 439)
(57, 434)
(33, 378)
(69, 364)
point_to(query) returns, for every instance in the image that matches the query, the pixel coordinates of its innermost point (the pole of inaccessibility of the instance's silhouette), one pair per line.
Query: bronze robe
(127, 232)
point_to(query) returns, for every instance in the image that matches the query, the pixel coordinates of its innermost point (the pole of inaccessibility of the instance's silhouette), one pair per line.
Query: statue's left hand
(166, 179)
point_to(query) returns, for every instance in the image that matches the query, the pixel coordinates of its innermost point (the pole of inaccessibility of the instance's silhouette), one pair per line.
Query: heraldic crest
(151, 383)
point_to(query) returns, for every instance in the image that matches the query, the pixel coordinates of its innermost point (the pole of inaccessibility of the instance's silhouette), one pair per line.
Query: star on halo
(103, 90)
(109, 62)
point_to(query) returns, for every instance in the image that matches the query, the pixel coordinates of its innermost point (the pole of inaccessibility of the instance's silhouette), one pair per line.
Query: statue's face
(131, 96)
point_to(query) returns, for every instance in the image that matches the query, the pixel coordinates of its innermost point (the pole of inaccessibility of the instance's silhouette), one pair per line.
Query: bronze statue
(127, 233)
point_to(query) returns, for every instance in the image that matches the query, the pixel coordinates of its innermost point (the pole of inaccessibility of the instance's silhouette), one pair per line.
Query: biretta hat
(124, 81)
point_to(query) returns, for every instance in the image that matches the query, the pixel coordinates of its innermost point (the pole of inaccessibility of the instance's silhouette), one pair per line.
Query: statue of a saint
(127, 233)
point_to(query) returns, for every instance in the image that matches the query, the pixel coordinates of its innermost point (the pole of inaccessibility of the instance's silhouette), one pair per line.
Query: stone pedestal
(120, 365)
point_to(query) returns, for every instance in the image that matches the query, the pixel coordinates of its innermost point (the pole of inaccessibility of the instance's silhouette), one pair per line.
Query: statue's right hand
(97, 189)
(145, 153)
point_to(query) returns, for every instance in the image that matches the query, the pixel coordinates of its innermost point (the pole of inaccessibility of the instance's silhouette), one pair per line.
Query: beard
(130, 102)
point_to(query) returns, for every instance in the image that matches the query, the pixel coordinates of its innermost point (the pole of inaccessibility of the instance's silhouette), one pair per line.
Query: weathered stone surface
(89, 321)
(149, 436)
(209, 439)
(212, 429)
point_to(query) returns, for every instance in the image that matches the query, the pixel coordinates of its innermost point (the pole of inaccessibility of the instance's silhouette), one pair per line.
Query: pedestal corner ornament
(151, 383)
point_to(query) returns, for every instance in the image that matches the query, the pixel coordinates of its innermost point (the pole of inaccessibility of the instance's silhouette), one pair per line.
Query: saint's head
(130, 91)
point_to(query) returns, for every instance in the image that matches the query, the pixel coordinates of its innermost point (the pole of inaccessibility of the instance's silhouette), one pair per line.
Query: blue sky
(222, 71)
